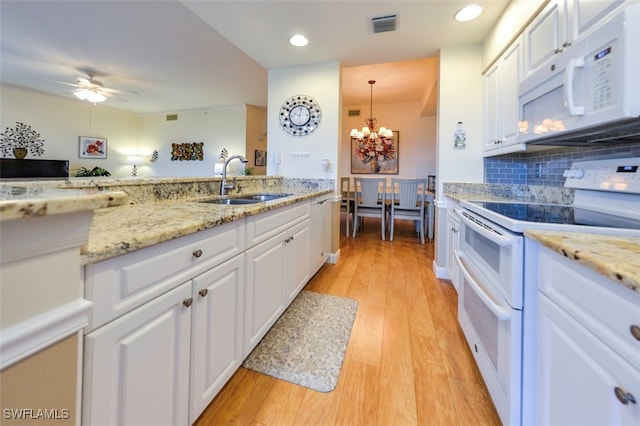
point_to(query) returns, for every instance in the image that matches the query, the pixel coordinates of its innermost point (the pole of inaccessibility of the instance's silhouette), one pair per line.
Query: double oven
(491, 259)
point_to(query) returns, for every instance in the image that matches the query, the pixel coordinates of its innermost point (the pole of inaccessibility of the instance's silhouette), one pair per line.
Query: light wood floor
(407, 362)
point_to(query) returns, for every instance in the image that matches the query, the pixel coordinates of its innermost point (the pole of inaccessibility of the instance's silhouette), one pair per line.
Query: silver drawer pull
(197, 253)
(624, 397)
(635, 331)
(187, 302)
(203, 292)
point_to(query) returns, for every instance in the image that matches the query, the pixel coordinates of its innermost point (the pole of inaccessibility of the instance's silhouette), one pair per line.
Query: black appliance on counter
(12, 168)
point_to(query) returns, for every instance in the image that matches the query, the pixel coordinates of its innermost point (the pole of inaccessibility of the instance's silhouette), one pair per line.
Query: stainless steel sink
(245, 199)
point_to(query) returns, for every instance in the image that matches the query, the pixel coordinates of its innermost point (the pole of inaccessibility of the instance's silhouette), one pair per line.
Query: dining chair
(408, 202)
(346, 202)
(370, 201)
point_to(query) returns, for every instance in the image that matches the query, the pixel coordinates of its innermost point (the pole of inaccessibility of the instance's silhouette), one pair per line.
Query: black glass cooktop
(558, 214)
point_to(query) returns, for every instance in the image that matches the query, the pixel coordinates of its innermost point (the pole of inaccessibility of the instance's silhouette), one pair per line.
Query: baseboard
(440, 272)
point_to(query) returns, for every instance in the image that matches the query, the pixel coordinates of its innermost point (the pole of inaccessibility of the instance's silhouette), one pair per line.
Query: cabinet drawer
(607, 309)
(264, 226)
(118, 285)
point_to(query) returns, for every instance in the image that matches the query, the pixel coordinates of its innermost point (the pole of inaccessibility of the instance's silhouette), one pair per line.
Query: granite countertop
(119, 230)
(19, 201)
(615, 257)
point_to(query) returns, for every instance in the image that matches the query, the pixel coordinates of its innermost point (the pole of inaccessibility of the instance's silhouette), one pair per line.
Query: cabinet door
(297, 260)
(453, 244)
(544, 36)
(510, 77)
(589, 13)
(137, 367)
(577, 375)
(264, 289)
(217, 331)
(491, 107)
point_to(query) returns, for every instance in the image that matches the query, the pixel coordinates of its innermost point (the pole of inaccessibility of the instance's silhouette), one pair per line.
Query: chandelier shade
(371, 132)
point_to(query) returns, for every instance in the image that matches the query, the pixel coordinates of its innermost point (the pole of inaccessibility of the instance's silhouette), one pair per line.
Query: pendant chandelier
(370, 132)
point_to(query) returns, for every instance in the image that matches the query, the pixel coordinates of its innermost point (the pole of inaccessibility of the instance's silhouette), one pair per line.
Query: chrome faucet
(224, 186)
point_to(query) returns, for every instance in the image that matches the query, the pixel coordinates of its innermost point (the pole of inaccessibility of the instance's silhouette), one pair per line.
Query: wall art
(261, 158)
(90, 147)
(375, 156)
(187, 151)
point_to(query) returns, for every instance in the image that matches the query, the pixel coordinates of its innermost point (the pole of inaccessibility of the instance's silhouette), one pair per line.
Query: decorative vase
(375, 166)
(19, 153)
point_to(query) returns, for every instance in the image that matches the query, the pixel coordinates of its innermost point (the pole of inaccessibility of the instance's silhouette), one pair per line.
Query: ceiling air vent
(384, 23)
(172, 117)
(354, 113)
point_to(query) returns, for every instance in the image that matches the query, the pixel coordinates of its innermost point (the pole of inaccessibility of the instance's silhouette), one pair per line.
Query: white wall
(417, 147)
(460, 99)
(60, 121)
(217, 128)
(321, 82)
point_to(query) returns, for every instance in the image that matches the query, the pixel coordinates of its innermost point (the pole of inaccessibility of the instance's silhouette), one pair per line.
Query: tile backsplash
(546, 167)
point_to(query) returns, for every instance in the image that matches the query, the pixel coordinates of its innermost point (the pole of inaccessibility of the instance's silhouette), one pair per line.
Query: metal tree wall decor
(19, 140)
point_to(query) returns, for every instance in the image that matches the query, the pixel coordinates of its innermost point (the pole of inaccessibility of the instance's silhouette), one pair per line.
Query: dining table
(429, 208)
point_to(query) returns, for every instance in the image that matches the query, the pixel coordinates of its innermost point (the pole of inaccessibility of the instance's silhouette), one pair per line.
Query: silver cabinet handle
(187, 302)
(197, 253)
(635, 331)
(203, 292)
(624, 397)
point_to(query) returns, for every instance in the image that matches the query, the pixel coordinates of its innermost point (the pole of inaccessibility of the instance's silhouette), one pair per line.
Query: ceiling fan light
(89, 95)
(468, 13)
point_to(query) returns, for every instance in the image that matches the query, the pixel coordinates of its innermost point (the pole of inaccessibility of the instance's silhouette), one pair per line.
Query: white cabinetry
(320, 244)
(276, 270)
(137, 367)
(501, 102)
(559, 25)
(218, 302)
(154, 326)
(588, 338)
(453, 244)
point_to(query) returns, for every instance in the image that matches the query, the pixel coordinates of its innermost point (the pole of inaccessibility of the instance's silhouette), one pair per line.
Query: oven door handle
(497, 310)
(501, 240)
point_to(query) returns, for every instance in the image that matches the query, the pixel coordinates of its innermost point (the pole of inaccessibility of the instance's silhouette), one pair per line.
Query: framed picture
(261, 158)
(375, 157)
(92, 147)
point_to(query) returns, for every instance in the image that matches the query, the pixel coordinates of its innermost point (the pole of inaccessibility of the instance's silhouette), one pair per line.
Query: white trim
(21, 340)
(440, 272)
(334, 257)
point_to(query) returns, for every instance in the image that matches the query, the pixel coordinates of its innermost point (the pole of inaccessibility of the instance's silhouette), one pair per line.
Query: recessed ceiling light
(298, 40)
(468, 13)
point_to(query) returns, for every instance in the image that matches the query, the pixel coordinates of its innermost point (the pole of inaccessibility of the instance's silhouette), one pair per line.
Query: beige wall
(44, 381)
(417, 147)
(256, 136)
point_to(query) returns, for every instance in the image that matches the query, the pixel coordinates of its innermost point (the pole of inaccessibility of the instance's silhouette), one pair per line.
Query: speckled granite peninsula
(612, 256)
(155, 210)
(22, 200)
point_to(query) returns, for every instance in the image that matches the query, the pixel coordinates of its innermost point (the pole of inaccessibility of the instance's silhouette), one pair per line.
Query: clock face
(300, 115)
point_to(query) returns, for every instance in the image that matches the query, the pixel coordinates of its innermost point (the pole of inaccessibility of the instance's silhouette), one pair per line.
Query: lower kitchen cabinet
(581, 381)
(453, 244)
(586, 346)
(276, 270)
(136, 368)
(218, 303)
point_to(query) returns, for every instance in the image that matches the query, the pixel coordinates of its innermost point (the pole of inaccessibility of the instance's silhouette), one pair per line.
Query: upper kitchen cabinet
(501, 102)
(561, 23)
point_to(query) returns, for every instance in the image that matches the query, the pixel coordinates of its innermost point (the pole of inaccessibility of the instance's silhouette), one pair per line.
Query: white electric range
(491, 261)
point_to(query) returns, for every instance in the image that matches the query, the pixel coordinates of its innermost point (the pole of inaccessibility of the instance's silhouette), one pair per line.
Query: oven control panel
(615, 175)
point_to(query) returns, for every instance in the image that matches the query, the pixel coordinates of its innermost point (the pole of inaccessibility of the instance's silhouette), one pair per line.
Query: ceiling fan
(91, 90)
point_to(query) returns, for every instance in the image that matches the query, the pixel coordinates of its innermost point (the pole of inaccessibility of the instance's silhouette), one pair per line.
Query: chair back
(345, 188)
(370, 192)
(408, 194)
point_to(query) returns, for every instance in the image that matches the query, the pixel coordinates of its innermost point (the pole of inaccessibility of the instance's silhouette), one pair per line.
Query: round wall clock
(300, 115)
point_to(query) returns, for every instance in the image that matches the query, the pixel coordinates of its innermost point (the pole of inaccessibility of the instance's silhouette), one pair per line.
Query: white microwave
(589, 92)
